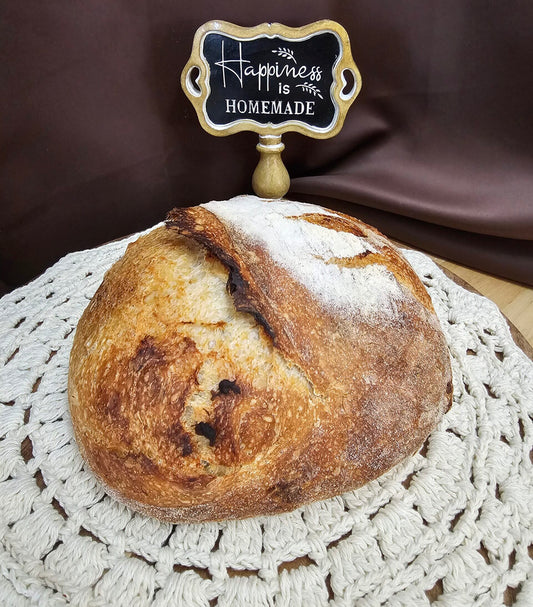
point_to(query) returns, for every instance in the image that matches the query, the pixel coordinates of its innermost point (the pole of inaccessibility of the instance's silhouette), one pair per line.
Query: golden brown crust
(195, 403)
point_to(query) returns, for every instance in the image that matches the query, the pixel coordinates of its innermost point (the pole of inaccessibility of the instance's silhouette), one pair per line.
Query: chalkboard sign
(271, 78)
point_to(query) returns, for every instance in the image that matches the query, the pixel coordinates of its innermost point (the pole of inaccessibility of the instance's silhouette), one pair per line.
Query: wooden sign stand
(271, 178)
(271, 79)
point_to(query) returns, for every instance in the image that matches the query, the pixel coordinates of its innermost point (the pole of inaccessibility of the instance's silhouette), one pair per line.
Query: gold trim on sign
(197, 89)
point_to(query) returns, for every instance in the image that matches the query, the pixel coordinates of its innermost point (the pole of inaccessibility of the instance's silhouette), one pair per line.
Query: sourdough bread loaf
(252, 356)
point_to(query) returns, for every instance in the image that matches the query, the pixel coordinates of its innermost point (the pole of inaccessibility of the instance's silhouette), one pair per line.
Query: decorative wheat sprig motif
(286, 53)
(310, 88)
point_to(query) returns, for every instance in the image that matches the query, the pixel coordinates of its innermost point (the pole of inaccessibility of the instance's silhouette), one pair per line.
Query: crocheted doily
(452, 525)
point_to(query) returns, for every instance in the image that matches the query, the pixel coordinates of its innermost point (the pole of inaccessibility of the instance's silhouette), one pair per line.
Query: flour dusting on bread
(310, 253)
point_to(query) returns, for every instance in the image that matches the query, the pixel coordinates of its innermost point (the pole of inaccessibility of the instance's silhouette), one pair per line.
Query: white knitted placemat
(450, 526)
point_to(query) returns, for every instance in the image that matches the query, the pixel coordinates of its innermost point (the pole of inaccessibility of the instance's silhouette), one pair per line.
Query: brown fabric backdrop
(99, 141)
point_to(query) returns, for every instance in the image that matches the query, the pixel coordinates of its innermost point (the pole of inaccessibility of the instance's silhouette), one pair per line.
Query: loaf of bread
(252, 356)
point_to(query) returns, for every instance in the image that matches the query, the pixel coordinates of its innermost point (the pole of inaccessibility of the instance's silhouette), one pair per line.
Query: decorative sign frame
(271, 79)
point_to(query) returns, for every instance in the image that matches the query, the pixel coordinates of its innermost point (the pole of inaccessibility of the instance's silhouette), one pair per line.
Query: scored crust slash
(252, 356)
